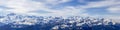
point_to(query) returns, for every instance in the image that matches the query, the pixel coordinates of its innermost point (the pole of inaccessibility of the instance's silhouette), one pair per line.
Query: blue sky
(62, 7)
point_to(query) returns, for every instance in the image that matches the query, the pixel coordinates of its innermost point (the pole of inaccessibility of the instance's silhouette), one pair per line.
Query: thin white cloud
(55, 2)
(22, 6)
(114, 9)
(103, 3)
(26, 6)
(111, 4)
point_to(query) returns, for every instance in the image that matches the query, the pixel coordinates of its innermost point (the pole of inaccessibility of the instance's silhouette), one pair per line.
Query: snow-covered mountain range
(13, 20)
